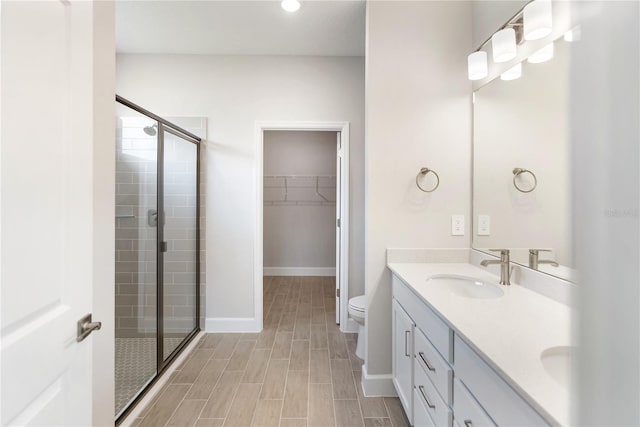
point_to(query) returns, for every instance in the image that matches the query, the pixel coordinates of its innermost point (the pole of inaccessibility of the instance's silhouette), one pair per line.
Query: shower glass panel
(179, 231)
(136, 255)
(157, 245)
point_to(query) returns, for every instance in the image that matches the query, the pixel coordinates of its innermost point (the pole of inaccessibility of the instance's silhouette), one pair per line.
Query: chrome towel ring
(519, 171)
(424, 172)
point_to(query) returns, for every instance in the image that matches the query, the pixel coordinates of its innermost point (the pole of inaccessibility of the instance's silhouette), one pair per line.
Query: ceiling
(320, 27)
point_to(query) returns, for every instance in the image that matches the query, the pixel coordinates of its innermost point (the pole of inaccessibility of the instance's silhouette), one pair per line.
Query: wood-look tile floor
(299, 371)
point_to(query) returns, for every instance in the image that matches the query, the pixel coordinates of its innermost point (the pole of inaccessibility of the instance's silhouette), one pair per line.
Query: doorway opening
(302, 219)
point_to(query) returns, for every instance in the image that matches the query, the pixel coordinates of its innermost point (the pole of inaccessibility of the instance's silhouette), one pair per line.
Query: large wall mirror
(521, 175)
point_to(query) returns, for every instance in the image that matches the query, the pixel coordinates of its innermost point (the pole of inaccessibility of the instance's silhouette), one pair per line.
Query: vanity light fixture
(532, 22)
(538, 19)
(512, 73)
(477, 65)
(290, 5)
(542, 55)
(504, 45)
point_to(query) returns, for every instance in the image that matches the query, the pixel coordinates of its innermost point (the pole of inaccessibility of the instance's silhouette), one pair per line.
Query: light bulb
(542, 55)
(512, 73)
(504, 45)
(477, 65)
(537, 19)
(290, 5)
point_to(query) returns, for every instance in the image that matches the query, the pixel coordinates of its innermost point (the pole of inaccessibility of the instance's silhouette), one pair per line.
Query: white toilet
(357, 307)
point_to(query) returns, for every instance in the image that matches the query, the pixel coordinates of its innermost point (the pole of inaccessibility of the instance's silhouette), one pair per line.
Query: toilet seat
(358, 303)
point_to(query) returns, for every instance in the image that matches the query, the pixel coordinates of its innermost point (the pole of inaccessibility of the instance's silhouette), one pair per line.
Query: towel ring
(519, 171)
(425, 171)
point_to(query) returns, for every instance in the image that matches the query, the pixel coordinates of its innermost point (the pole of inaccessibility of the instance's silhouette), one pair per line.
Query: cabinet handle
(426, 399)
(468, 423)
(426, 362)
(406, 341)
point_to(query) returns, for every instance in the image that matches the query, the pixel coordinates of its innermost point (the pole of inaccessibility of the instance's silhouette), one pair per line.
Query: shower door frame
(163, 363)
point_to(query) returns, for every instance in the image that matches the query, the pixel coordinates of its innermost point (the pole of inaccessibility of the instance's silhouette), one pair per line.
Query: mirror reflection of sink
(468, 287)
(557, 363)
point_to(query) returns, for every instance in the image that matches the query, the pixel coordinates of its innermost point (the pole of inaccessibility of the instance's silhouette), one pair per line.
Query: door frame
(330, 126)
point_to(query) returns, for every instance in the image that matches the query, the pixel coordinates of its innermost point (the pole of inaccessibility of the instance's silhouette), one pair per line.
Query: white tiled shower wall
(136, 194)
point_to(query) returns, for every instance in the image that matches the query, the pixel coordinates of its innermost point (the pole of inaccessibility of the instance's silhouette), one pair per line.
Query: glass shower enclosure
(157, 248)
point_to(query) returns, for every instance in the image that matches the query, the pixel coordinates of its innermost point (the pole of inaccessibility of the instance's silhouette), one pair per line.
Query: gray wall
(300, 234)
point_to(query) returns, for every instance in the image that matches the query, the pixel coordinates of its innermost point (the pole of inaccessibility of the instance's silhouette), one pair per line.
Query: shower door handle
(152, 218)
(86, 326)
(163, 246)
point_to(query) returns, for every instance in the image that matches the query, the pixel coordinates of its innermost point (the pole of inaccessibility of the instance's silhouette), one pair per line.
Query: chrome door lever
(86, 326)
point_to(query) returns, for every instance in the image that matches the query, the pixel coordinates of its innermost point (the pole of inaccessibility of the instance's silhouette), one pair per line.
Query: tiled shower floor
(135, 366)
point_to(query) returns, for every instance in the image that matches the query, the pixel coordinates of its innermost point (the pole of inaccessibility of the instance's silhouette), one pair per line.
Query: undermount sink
(557, 363)
(464, 286)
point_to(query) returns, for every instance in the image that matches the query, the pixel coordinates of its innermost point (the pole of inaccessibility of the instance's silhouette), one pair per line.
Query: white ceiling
(238, 27)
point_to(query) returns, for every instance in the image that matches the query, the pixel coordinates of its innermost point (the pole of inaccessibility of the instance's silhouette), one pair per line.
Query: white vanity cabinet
(499, 401)
(402, 356)
(437, 390)
(422, 348)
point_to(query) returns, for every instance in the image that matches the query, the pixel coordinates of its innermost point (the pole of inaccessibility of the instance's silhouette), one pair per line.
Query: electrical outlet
(457, 225)
(484, 225)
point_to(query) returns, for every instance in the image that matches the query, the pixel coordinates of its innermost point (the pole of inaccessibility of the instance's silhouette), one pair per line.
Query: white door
(338, 225)
(47, 212)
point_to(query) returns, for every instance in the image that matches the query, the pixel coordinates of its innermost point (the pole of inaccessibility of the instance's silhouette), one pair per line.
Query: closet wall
(299, 225)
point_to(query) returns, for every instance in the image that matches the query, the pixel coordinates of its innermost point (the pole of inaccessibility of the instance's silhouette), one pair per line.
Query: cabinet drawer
(439, 333)
(426, 394)
(468, 412)
(499, 400)
(421, 417)
(434, 365)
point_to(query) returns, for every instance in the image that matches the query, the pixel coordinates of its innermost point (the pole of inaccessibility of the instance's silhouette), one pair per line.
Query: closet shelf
(299, 190)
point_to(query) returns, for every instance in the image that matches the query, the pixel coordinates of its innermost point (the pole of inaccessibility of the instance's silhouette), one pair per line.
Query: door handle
(86, 326)
(406, 341)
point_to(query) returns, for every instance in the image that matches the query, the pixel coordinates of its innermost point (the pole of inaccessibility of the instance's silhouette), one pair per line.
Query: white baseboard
(377, 385)
(299, 271)
(231, 324)
(157, 387)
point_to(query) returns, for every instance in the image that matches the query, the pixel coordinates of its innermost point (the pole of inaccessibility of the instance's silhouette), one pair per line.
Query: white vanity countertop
(509, 332)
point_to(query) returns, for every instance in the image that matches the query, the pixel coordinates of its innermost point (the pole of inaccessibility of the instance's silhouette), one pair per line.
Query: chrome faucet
(505, 264)
(534, 261)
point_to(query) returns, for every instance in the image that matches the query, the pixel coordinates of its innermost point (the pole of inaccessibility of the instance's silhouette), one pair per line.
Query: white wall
(605, 99)
(300, 234)
(418, 114)
(104, 145)
(234, 92)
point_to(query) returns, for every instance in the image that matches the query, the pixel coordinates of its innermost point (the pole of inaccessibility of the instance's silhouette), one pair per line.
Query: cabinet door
(402, 357)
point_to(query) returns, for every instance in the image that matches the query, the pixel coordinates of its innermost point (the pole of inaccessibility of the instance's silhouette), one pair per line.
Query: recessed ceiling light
(290, 5)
